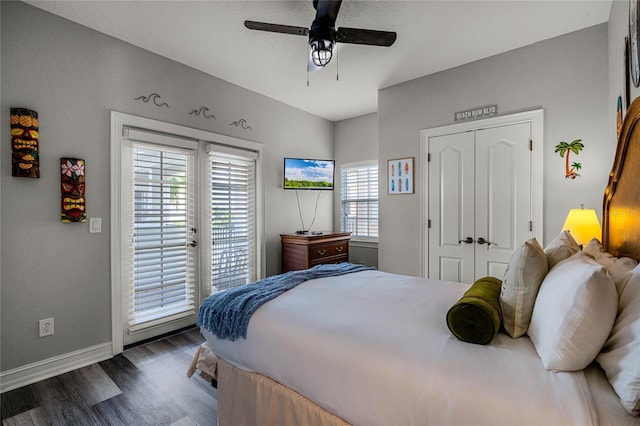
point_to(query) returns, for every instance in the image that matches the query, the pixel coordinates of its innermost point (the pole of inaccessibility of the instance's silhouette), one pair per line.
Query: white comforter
(374, 349)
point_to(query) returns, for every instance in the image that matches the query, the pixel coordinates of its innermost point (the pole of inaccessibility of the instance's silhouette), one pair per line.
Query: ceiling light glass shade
(321, 52)
(583, 225)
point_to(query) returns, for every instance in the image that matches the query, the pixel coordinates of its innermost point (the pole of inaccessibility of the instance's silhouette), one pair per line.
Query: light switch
(95, 225)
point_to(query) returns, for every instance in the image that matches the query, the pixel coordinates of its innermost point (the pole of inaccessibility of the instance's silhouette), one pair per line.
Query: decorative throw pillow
(574, 313)
(476, 317)
(620, 356)
(560, 248)
(520, 284)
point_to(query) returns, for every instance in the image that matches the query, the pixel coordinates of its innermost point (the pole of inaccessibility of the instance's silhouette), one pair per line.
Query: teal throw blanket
(226, 314)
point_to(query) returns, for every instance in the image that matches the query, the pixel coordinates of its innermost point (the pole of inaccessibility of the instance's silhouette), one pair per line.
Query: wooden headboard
(621, 207)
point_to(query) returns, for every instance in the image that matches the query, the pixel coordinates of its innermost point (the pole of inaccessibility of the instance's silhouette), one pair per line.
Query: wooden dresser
(302, 251)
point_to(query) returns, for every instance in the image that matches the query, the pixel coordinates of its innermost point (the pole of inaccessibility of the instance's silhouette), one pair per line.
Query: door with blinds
(161, 235)
(186, 226)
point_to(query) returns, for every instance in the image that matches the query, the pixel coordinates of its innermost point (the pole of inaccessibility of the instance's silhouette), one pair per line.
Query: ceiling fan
(323, 35)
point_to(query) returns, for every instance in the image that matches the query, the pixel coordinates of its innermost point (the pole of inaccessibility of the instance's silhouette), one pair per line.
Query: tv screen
(305, 173)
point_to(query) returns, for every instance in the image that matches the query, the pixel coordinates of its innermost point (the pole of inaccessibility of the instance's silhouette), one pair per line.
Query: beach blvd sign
(476, 113)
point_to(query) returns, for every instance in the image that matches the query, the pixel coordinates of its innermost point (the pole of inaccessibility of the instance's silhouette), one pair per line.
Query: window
(360, 199)
(232, 232)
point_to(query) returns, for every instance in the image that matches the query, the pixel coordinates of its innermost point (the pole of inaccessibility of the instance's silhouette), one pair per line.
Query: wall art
(634, 41)
(204, 111)
(154, 97)
(241, 123)
(564, 149)
(72, 189)
(400, 176)
(618, 117)
(25, 152)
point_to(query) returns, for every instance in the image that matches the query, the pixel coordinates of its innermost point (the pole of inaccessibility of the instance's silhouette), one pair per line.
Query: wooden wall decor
(25, 158)
(72, 189)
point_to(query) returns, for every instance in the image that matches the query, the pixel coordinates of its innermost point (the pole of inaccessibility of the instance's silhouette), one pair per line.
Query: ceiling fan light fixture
(321, 52)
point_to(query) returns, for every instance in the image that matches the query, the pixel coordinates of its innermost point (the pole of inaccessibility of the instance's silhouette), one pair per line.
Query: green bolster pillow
(476, 317)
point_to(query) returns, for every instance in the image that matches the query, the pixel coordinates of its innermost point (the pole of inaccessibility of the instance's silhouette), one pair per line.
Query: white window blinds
(161, 229)
(233, 217)
(360, 199)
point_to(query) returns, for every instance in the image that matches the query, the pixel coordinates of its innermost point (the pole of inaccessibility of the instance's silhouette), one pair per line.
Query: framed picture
(400, 176)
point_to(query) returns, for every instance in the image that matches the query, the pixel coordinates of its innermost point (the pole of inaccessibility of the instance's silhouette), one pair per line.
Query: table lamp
(583, 225)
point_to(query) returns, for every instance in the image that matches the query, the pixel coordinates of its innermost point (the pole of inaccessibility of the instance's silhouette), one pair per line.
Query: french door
(186, 223)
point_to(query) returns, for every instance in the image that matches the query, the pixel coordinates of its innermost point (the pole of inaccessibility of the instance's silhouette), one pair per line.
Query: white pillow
(594, 247)
(560, 248)
(573, 314)
(620, 356)
(522, 278)
(617, 267)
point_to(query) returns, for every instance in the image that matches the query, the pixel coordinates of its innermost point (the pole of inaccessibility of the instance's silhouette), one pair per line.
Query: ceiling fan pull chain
(337, 63)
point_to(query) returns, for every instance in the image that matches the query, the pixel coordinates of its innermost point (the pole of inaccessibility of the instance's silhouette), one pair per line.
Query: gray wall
(73, 77)
(567, 76)
(355, 139)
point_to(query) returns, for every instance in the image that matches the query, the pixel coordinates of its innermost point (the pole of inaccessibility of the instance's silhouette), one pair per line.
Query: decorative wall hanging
(154, 97)
(564, 149)
(627, 86)
(400, 176)
(618, 117)
(72, 187)
(634, 41)
(202, 111)
(25, 157)
(241, 123)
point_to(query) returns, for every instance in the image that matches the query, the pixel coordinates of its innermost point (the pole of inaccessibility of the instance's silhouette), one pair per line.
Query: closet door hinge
(530, 144)
(428, 223)
(428, 157)
(530, 226)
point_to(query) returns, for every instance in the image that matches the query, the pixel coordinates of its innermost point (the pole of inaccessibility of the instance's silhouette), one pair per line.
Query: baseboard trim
(31, 373)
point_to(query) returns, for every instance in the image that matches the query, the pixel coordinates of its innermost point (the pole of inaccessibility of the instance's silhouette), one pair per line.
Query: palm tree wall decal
(564, 149)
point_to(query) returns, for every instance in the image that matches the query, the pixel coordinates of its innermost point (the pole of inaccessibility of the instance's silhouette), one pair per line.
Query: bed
(373, 348)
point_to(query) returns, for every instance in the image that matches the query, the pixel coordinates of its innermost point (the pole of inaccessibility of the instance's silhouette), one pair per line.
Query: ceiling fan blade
(276, 28)
(362, 36)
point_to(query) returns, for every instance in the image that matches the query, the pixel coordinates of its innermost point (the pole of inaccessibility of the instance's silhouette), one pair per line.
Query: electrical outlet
(46, 327)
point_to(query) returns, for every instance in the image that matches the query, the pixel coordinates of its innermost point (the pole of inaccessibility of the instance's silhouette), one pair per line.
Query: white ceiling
(432, 36)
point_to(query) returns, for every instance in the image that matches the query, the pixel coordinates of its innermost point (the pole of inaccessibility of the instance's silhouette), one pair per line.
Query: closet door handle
(483, 241)
(467, 240)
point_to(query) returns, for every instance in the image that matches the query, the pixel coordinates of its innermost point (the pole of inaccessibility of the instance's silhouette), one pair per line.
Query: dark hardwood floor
(145, 385)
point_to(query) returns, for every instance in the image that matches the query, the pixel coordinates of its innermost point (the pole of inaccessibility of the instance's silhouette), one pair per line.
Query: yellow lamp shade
(583, 225)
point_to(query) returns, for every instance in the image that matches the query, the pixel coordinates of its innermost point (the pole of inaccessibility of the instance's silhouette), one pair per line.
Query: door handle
(483, 241)
(467, 240)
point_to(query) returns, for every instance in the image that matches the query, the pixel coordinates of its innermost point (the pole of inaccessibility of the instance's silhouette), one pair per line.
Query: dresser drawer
(328, 250)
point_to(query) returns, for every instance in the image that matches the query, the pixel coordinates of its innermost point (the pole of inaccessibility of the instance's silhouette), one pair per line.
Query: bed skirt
(246, 398)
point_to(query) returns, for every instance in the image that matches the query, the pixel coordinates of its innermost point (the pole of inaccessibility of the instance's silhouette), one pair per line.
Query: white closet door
(451, 207)
(502, 196)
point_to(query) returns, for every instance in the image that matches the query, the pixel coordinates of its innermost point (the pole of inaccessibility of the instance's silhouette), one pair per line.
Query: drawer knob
(339, 249)
(322, 252)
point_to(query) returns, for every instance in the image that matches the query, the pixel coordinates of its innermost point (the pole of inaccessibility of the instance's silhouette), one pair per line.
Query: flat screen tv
(306, 173)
